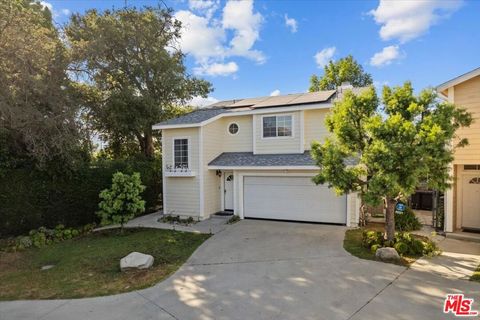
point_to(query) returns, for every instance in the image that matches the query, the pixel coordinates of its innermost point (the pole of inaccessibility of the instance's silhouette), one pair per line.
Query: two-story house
(252, 157)
(462, 202)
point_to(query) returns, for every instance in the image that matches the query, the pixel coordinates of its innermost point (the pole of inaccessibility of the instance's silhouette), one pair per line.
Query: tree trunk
(390, 219)
(146, 143)
(149, 149)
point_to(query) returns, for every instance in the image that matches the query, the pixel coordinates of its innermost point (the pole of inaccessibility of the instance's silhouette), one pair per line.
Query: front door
(471, 202)
(228, 191)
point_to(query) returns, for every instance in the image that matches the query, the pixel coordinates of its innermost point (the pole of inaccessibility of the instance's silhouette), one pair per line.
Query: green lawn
(352, 243)
(89, 266)
(476, 275)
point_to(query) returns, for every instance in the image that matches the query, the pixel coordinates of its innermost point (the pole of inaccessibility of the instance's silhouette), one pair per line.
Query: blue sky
(256, 48)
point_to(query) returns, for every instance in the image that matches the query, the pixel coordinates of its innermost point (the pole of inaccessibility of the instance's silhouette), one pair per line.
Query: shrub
(31, 198)
(375, 247)
(407, 221)
(401, 247)
(404, 243)
(371, 238)
(176, 219)
(122, 201)
(233, 219)
(430, 248)
(43, 236)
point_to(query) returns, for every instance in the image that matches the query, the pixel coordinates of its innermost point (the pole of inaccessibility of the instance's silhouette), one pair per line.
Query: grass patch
(476, 275)
(352, 243)
(90, 265)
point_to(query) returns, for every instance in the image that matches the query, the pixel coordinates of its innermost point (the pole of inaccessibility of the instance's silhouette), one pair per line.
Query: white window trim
(277, 137)
(228, 128)
(189, 151)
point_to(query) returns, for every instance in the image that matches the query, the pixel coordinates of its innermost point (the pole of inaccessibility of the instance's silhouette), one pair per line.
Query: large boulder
(136, 260)
(387, 254)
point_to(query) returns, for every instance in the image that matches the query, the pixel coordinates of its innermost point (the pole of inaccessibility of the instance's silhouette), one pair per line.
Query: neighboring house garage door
(292, 198)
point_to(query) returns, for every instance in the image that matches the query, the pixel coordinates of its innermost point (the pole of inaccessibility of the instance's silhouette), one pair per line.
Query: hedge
(30, 198)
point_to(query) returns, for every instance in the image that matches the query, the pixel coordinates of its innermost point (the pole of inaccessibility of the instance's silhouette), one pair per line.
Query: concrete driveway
(274, 270)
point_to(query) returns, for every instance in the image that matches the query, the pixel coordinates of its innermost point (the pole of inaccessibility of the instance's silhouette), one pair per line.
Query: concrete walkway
(276, 270)
(212, 225)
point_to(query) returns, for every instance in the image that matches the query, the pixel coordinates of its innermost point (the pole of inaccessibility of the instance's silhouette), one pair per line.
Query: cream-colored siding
(279, 144)
(467, 95)
(212, 146)
(201, 195)
(182, 194)
(240, 142)
(315, 129)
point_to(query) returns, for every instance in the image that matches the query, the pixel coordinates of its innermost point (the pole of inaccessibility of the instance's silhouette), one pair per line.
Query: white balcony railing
(178, 172)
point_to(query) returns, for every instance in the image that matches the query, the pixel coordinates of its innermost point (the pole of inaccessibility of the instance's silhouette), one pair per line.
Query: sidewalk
(212, 225)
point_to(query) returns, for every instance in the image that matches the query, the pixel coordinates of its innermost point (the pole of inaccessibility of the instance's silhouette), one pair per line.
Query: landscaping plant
(404, 242)
(383, 148)
(233, 219)
(407, 221)
(42, 237)
(123, 200)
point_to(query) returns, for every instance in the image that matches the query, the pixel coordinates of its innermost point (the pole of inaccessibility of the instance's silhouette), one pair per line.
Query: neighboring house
(462, 202)
(252, 157)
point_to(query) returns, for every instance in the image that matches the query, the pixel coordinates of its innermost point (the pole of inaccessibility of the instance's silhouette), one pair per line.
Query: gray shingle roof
(248, 159)
(196, 116)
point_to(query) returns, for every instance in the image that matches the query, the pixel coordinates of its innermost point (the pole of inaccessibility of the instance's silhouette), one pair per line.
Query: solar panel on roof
(276, 101)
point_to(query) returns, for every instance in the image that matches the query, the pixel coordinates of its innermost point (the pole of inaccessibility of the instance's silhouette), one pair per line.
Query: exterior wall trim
(222, 191)
(455, 81)
(164, 181)
(201, 173)
(302, 131)
(449, 193)
(254, 133)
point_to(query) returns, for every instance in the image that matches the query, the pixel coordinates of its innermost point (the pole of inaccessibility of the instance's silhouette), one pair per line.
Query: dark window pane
(269, 127)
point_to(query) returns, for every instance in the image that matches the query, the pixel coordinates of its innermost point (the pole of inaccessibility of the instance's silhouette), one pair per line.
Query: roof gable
(442, 88)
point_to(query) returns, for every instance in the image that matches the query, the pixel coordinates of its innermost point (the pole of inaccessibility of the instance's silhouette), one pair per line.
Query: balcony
(170, 171)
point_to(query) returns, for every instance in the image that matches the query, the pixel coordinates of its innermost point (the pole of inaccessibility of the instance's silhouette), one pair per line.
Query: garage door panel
(292, 198)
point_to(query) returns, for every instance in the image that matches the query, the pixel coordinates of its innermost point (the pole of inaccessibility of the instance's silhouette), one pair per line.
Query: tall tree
(398, 142)
(37, 116)
(133, 75)
(336, 72)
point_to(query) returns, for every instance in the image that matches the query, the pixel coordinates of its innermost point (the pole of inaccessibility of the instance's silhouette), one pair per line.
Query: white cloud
(217, 69)
(55, 13)
(324, 56)
(386, 56)
(291, 23)
(48, 5)
(200, 102)
(275, 93)
(206, 7)
(199, 38)
(239, 17)
(211, 40)
(407, 20)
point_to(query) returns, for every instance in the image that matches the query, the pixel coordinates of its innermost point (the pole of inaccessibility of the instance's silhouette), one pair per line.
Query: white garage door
(292, 198)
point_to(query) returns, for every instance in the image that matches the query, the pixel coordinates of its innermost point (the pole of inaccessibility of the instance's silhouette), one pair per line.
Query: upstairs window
(471, 167)
(277, 126)
(180, 153)
(233, 128)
